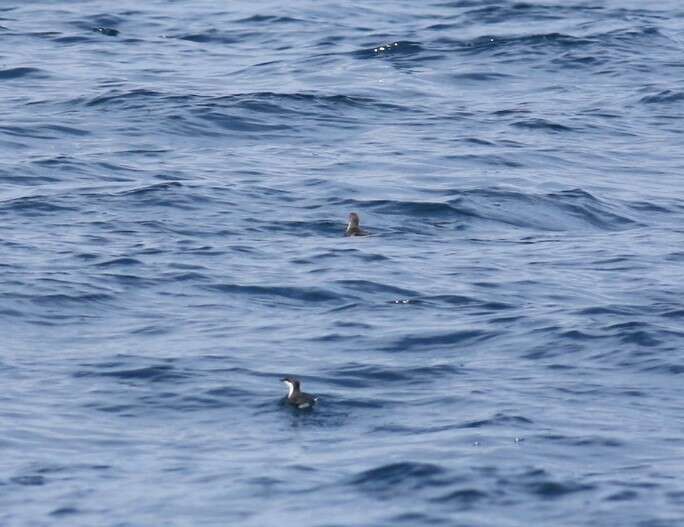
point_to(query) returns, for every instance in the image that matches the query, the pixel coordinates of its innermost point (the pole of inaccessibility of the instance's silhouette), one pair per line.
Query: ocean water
(505, 350)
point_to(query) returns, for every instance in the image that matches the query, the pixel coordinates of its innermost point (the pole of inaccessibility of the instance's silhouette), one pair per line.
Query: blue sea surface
(506, 349)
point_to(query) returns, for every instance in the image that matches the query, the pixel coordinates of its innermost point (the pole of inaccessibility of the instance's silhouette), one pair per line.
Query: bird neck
(290, 389)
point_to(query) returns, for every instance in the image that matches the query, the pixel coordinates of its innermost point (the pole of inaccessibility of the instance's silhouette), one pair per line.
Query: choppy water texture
(506, 350)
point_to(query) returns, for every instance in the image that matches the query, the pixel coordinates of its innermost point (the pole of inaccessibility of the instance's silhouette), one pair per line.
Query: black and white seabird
(295, 396)
(353, 228)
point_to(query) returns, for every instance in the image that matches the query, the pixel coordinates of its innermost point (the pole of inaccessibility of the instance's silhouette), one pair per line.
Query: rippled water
(506, 349)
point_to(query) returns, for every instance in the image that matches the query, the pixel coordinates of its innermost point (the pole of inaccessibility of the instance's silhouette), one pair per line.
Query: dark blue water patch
(624, 495)
(555, 489)
(270, 19)
(72, 39)
(355, 375)
(48, 131)
(481, 76)
(333, 228)
(640, 36)
(234, 123)
(478, 159)
(609, 311)
(399, 479)
(498, 420)
(575, 60)
(664, 97)
(640, 338)
(517, 46)
(270, 103)
(651, 207)
(420, 518)
(674, 313)
(464, 499)
(119, 262)
(187, 276)
(667, 369)
(148, 374)
(517, 12)
(65, 511)
(153, 188)
(151, 330)
(168, 194)
(20, 72)
(375, 288)
(542, 124)
(415, 343)
(29, 480)
(465, 301)
(300, 294)
(63, 130)
(131, 99)
(60, 299)
(23, 131)
(213, 36)
(8, 312)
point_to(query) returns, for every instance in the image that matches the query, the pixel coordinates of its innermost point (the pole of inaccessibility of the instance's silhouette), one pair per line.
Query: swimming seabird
(353, 228)
(295, 396)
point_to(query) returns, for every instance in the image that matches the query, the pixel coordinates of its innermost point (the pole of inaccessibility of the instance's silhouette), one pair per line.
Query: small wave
(271, 19)
(156, 187)
(464, 497)
(556, 489)
(517, 12)
(67, 130)
(400, 477)
(17, 73)
(539, 483)
(498, 420)
(438, 340)
(419, 518)
(480, 76)
(99, 20)
(307, 294)
(72, 39)
(157, 373)
(514, 45)
(542, 124)
(213, 36)
(119, 262)
(29, 480)
(128, 97)
(64, 299)
(557, 211)
(356, 375)
(674, 313)
(663, 97)
(575, 60)
(367, 286)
